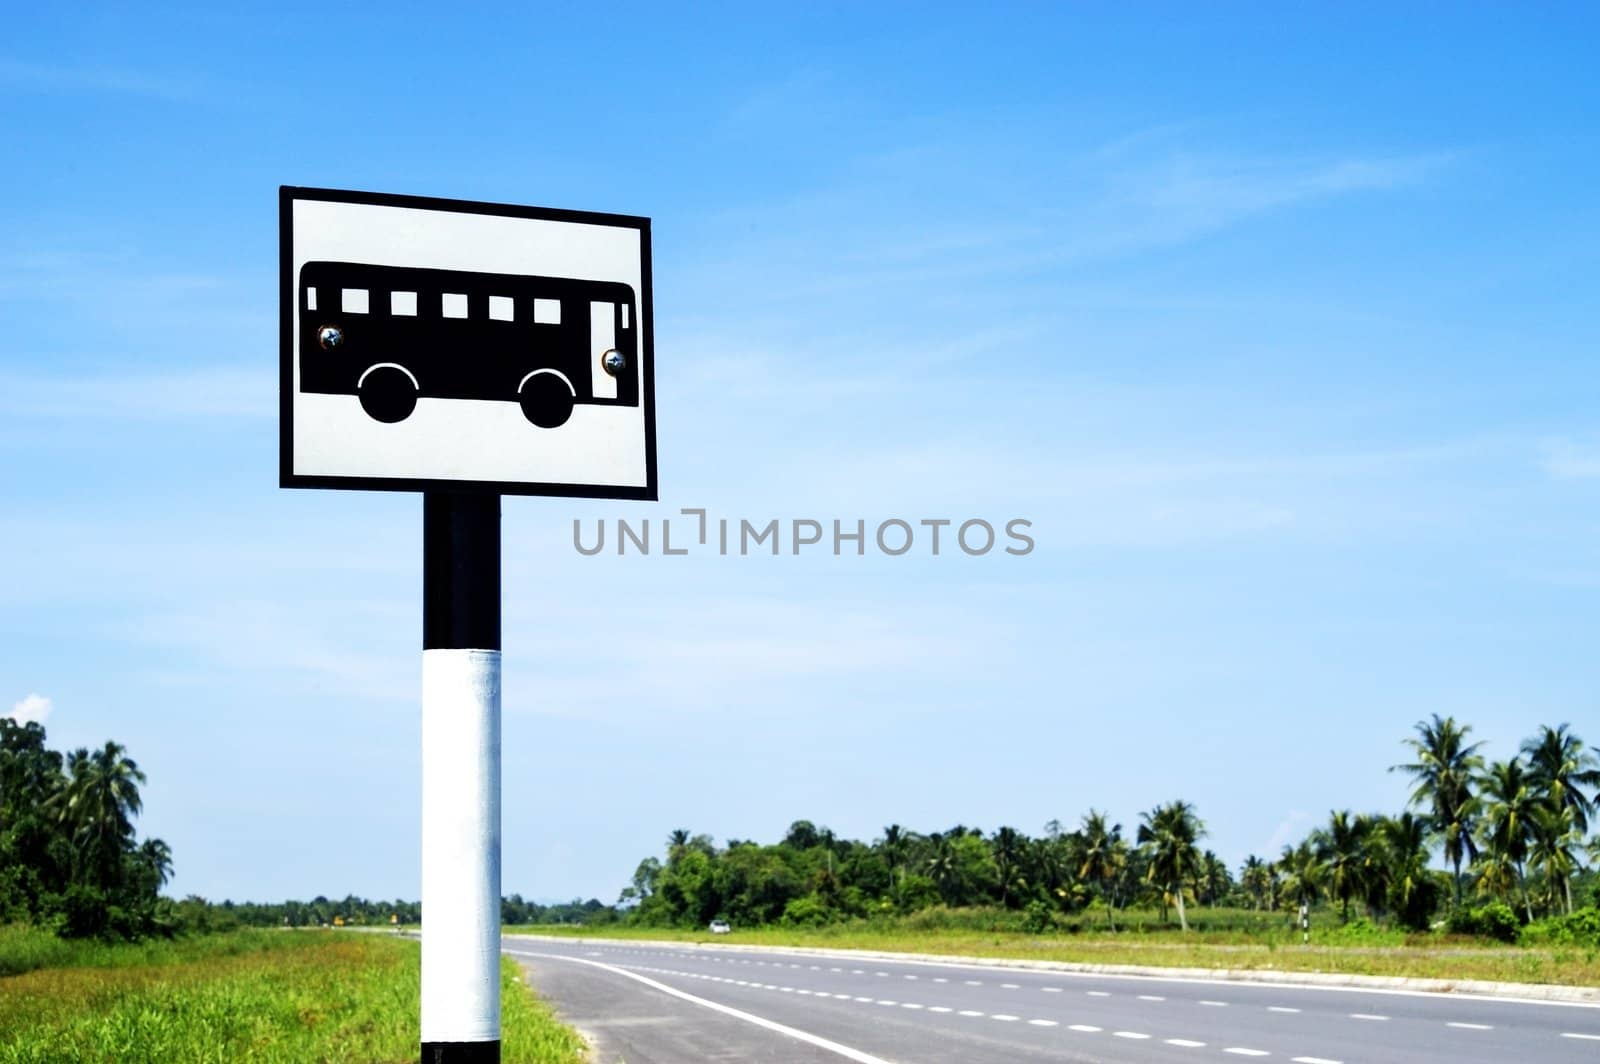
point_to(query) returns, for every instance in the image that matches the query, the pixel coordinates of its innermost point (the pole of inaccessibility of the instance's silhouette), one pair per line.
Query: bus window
(455, 305)
(311, 299)
(500, 308)
(602, 338)
(403, 303)
(547, 312)
(354, 301)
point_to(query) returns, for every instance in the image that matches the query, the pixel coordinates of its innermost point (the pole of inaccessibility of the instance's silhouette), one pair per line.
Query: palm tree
(942, 867)
(1170, 832)
(1508, 819)
(1443, 773)
(1254, 876)
(894, 844)
(97, 807)
(1303, 872)
(1559, 767)
(1402, 846)
(1100, 856)
(1007, 846)
(1553, 850)
(1342, 847)
(155, 857)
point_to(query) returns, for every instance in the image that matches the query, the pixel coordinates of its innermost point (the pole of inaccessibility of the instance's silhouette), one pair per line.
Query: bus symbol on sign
(390, 335)
(439, 344)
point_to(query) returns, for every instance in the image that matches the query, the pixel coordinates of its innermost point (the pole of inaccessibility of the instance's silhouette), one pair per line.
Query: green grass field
(251, 996)
(1231, 939)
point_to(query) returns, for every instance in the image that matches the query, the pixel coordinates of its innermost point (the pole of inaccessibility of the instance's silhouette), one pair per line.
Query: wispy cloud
(35, 708)
(1572, 459)
(52, 77)
(209, 392)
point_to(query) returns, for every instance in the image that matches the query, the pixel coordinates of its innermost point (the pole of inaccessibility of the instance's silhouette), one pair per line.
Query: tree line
(70, 859)
(1512, 833)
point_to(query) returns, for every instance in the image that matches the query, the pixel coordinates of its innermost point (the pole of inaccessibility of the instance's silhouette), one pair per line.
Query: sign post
(466, 351)
(460, 778)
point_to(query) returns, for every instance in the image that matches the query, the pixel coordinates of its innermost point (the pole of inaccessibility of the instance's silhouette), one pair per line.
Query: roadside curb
(1536, 992)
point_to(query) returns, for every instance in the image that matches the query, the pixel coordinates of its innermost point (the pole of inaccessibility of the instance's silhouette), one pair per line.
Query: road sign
(433, 344)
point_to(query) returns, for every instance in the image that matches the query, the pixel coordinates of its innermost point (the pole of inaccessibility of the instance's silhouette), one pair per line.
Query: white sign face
(443, 345)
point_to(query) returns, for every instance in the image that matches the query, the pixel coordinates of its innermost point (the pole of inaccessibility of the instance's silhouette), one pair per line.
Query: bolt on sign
(444, 345)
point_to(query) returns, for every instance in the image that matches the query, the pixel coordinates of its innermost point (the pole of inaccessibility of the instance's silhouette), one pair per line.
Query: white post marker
(460, 850)
(466, 351)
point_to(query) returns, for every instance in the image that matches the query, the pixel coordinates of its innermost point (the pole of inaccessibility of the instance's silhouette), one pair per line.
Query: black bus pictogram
(393, 334)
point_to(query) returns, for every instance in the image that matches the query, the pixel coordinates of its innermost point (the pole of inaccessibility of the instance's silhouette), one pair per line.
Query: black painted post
(460, 778)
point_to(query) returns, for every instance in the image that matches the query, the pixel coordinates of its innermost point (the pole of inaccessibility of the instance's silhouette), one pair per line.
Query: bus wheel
(387, 394)
(546, 400)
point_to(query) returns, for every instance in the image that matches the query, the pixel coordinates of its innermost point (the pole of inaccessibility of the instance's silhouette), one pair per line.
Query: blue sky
(1278, 327)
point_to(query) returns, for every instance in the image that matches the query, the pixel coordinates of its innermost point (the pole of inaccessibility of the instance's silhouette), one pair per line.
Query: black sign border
(287, 478)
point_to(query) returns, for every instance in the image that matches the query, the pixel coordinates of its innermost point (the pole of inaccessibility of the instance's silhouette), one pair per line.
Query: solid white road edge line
(760, 1021)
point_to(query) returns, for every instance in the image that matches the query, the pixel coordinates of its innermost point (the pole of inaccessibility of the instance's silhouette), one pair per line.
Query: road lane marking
(939, 1008)
(1366, 1016)
(909, 1005)
(909, 977)
(727, 1010)
(969, 1012)
(1151, 997)
(884, 1001)
(1215, 1004)
(1585, 1037)
(1136, 1035)
(864, 999)
(1043, 1023)
(940, 979)
(1472, 1026)
(1009, 986)
(1280, 1008)
(1004, 1018)
(1315, 1060)
(1051, 989)
(1243, 1052)
(1085, 1028)
(974, 982)
(1186, 1043)
(1097, 993)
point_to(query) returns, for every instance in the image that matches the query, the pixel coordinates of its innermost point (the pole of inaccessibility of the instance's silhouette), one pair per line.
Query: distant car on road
(720, 927)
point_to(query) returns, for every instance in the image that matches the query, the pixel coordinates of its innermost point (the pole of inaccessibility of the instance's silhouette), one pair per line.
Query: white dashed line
(1584, 1037)
(910, 977)
(1215, 1004)
(939, 1008)
(1280, 1008)
(909, 1005)
(1472, 1026)
(864, 1000)
(1129, 1034)
(1186, 1043)
(1097, 993)
(1051, 989)
(884, 1001)
(940, 979)
(1366, 1016)
(1043, 1023)
(1243, 1052)
(969, 1012)
(1151, 997)
(974, 982)
(1004, 1018)
(1085, 1028)
(1315, 1060)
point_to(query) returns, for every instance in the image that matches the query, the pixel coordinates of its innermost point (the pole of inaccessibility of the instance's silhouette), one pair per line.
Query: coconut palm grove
(1503, 849)
(1513, 837)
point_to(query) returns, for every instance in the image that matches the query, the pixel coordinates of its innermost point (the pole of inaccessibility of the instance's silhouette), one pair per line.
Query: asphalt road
(675, 1004)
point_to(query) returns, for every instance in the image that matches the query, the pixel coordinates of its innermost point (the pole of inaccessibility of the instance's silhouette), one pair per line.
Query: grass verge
(1415, 956)
(253, 996)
